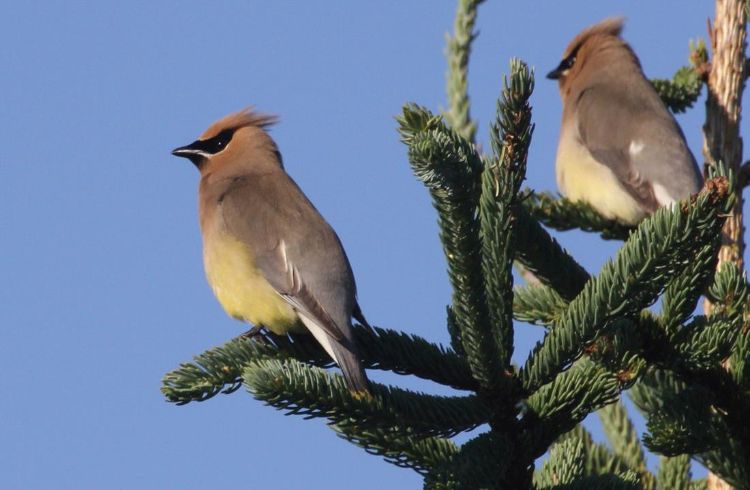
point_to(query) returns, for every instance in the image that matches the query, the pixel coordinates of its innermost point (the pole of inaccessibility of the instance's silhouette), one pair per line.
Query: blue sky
(103, 288)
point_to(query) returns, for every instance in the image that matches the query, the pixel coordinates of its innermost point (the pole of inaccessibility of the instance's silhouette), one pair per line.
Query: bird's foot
(257, 333)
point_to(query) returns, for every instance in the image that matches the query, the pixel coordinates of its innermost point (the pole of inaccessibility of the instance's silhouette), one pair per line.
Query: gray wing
(630, 131)
(297, 251)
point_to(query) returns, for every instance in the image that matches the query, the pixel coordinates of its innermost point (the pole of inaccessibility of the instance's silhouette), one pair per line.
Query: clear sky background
(102, 287)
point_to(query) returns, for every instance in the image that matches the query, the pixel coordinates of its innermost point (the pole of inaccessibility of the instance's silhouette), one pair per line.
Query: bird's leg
(257, 333)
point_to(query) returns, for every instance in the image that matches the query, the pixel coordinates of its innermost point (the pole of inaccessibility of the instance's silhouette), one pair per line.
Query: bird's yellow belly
(581, 178)
(241, 288)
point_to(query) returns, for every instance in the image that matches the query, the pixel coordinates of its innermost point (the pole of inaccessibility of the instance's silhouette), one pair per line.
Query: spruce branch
(680, 431)
(674, 473)
(598, 459)
(454, 332)
(538, 252)
(458, 50)
(448, 165)
(501, 180)
(299, 389)
(729, 291)
(563, 214)
(451, 169)
(396, 446)
(624, 481)
(699, 484)
(624, 441)
(730, 297)
(557, 407)
(486, 461)
(681, 295)
(704, 343)
(739, 360)
(622, 435)
(564, 466)
(694, 358)
(404, 353)
(566, 469)
(681, 92)
(218, 370)
(441, 480)
(618, 348)
(729, 460)
(497, 261)
(653, 255)
(680, 417)
(692, 412)
(538, 305)
(654, 389)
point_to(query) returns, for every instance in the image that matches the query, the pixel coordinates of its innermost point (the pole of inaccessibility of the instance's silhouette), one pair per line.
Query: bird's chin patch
(199, 161)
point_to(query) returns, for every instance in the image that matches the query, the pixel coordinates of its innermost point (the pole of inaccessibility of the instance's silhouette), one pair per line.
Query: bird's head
(227, 140)
(594, 48)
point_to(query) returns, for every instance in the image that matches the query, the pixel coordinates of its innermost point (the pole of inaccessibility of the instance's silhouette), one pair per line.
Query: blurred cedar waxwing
(620, 149)
(270, 257)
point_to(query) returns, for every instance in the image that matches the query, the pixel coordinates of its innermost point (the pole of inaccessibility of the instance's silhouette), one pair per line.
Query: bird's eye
(223, 138)
(569, 61)
(218, 142)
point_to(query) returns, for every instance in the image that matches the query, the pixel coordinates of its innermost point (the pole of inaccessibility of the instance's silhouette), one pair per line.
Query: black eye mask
(214, 145)
(565, 64)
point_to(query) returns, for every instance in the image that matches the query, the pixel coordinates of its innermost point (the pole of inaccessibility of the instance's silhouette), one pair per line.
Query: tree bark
(726, 82)
(721, 133)
(716, 483)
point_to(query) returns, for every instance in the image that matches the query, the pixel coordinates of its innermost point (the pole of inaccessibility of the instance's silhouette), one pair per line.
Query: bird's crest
(611, 26)
(236, 120)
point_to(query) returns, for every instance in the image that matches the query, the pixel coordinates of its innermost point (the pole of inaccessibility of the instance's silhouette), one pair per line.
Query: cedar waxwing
(270, 257)
(620, 149)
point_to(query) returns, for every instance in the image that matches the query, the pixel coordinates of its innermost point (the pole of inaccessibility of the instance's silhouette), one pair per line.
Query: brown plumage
(270, 257)
(239, 119)
(620, 148)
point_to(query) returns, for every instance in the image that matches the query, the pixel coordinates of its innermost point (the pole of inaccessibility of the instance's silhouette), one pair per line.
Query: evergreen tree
(689, 374)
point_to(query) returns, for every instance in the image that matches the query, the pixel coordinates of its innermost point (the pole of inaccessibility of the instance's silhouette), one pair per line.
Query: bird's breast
(240, 286)
(581, 178)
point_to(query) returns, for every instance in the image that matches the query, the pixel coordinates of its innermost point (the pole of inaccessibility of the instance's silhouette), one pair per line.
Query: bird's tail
(344, 353)
(348, 360)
